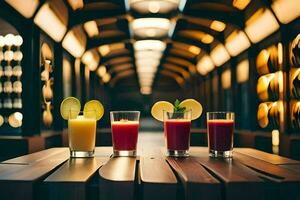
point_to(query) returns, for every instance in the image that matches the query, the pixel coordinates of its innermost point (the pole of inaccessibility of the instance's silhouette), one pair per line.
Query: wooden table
(50, 174)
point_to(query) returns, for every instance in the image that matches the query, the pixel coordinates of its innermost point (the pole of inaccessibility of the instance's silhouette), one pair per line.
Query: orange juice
(82, 134)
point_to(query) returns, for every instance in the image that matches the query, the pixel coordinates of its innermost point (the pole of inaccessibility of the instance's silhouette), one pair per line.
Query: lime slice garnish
(93, 109)
(70, 108)
(194, 106)
(158, 108)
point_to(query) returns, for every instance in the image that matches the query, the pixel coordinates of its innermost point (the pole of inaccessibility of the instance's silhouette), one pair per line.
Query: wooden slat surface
(117, 179)
(196, 181)
(271, 158)
(73, 176)
(239, 181)
(157, 179)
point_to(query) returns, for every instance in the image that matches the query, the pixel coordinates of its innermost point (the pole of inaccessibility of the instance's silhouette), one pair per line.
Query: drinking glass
(177, 126)
(220, 127)
(124, 128)
(82, 133)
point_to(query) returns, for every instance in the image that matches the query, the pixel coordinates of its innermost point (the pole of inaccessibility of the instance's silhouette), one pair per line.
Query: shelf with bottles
(10, 82)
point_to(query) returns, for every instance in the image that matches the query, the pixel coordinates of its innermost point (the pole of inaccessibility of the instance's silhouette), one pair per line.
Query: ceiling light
(226, 79)
(91, 59)
(205, 65)
(151, 27)
(74, 42)
(237, 42)
(154, 7)
(242, 71)
(148, 54)
(26, 8)
(286, 10)
(48, 21)
(207, 39)
(91, 28)
(76, 4)
(146, 90)
(155, 45)
(217, 26)
(195, 50)
(101, 71)
(240, 4)
(106, 49)
(219, 55)
(106, 78)
(260, 25)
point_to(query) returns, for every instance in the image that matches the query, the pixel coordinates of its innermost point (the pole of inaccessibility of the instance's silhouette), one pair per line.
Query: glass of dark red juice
(220, 127)
(124, 128)
(177, 126)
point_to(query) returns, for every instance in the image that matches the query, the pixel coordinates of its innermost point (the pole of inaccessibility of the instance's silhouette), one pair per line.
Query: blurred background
(230, 55)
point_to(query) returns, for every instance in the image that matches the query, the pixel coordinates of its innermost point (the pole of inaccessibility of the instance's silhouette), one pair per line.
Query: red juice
(220, 134)
(177, 133)
(125, 135)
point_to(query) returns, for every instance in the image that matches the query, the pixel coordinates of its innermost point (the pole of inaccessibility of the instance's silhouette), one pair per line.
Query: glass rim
(220, 112)
(125, 111)
(190, 110)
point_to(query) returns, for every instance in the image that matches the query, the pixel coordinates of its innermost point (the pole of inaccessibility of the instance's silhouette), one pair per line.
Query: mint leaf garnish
(177, 108)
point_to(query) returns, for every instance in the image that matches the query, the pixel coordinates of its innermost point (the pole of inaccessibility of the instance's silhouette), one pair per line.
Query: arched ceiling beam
(194, 42)
(172, 67)
(121, 76)
(179, 80)
(92, 43)
(119, 68)
(181, 62)
(181, 53)
(118, 60)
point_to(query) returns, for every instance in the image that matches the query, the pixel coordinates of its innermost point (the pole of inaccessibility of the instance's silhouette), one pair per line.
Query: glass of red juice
(124, 128)
(177, 126)
(220, 127)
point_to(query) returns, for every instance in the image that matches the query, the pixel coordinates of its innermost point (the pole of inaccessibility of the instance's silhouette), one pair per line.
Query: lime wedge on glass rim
(70, 108)
(93, 109)
(157, 110)
(194, 106)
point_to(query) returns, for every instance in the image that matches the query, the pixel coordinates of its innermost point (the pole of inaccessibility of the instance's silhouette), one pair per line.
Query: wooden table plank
(271, 158)
(293, 167)
(73, 176)
(117, 179)
(23, 177)
(36, 157)
(197, 182)
(157, 179)
(239, 181)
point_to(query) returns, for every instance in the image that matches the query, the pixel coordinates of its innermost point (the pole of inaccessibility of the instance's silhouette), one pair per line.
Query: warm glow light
(76, 4)
(91, 28)
(148, 54)
(275, 138)
(219, 55)
(260, 25)
(49, 22)
(242, 71)
(91, 59)
(240, 4)
(26, 8)
(156, 45)
(73, 44)
(207, 39)
(237, 42)
(146, 90)
(195, 50)
(205, 65)
(106, 49)
(101, 71)
(226, 79)
(286, 10)
(151, 27)
(154, 7)
(217, 26)
(106, 78)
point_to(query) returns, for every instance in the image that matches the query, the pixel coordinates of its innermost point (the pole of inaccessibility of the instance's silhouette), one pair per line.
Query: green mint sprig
(178, 108)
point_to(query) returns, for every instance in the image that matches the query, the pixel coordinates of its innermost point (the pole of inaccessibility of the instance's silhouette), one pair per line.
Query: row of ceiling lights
(260, 25)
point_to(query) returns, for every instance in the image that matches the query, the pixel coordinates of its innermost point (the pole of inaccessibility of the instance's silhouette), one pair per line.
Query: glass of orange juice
(82, 133)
